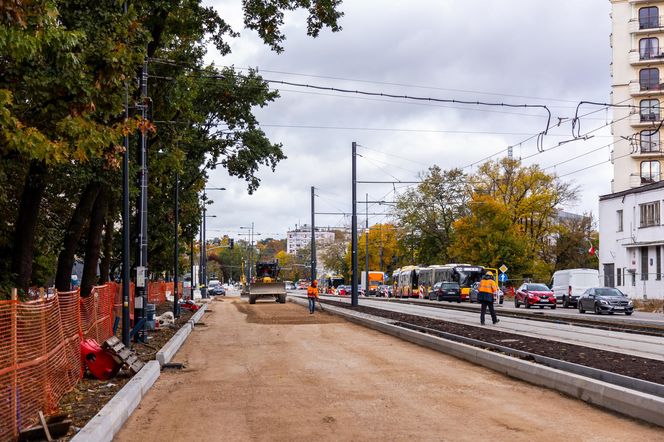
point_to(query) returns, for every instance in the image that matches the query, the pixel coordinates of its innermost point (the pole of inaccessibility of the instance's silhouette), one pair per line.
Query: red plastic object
(100, 363)
(190, 306)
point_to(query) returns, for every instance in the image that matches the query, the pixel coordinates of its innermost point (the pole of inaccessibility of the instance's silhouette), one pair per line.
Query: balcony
(640, 58)
(653, 151)
(645, 120)
(637, 89)
(636, 180)
(651, 25)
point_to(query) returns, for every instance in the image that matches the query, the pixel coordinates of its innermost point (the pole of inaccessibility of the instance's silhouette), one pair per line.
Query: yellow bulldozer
(266, 283)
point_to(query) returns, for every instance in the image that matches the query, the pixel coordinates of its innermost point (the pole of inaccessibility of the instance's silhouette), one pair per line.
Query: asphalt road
(629, 343)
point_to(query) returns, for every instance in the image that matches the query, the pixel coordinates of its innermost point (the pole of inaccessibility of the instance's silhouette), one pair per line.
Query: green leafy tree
(427, 213)
(488, 237)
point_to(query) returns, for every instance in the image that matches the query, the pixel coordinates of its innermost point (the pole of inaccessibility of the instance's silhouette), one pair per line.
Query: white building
(631, 233)
(301, 237)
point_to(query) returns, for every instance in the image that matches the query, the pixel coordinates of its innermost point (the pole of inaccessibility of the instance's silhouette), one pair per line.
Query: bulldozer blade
(267, 288)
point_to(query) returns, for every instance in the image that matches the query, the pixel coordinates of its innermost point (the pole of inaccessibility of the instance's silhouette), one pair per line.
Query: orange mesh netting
(40, 347)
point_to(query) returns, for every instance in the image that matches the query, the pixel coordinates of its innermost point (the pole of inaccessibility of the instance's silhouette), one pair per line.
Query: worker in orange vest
(312, 296)
(485, 293)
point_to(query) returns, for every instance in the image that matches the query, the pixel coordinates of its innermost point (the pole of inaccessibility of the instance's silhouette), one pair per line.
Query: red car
(531, 294)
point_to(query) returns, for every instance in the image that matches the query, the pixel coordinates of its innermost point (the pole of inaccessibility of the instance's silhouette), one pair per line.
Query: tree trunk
(26, 224)
(93, 246)
(73, 236)
(105, 266)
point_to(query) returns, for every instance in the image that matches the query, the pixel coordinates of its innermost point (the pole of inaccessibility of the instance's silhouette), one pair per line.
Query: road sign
(502, 268)
(502, 277)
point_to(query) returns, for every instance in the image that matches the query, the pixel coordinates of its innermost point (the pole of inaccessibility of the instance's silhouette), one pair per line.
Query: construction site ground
(272, 371)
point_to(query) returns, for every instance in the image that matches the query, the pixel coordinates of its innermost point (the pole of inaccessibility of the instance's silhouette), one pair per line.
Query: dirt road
(273, 372)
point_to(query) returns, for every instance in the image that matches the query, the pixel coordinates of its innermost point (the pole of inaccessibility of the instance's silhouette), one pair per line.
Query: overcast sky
(510, 51)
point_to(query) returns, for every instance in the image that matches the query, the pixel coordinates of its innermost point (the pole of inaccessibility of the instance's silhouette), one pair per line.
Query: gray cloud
(517, 51)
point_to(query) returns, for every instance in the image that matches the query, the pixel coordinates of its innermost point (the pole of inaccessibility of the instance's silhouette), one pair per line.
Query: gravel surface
(641, 368)
(273, 372)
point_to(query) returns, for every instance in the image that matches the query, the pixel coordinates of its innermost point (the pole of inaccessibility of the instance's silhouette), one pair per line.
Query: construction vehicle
(266, 283)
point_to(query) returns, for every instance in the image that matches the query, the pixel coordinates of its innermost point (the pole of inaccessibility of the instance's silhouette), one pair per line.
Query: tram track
(617, 326)
(634, 372)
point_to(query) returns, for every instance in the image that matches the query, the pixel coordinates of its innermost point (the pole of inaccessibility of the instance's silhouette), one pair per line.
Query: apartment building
(300, 237)
(631, 232)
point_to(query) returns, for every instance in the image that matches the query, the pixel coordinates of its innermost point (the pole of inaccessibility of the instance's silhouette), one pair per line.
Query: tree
(573, 239)
(488, 237)
(426, 215)
(63, 71)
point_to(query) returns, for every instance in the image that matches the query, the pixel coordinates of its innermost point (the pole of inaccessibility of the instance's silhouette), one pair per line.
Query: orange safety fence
(40, 356)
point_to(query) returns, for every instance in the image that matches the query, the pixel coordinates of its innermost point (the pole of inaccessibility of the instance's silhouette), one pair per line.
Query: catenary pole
(354, 279)
(204, 250)
(140, 299)
(176, 261)
(366, 245)
(125, 225)
(191, 260)
(313, 236)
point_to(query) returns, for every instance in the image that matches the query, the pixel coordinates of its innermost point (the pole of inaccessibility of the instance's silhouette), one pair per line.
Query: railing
(649, 117)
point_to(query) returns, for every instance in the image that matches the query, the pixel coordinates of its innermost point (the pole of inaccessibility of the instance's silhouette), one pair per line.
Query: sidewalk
(273, 372)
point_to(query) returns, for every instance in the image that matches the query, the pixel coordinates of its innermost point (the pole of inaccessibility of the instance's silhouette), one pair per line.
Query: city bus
(329, 284)
(463, 274)
(408, 286)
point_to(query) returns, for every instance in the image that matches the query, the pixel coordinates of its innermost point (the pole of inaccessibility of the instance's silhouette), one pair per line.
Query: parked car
(605, 299)
(499, 297)
(383, 291)
(472, 295)
(445, 291)
(215, 288)
(289, 285)
(342, 291)
(533, 294)
(568, 285)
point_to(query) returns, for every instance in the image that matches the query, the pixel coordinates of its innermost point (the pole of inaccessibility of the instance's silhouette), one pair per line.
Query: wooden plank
(43, 422)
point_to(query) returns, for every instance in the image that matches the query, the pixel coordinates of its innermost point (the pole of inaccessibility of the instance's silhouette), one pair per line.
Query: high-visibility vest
(487, 286)
(312, 292)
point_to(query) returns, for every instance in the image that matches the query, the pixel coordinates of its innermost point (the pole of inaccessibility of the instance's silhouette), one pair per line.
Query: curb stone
(110, 419)
(623, 400)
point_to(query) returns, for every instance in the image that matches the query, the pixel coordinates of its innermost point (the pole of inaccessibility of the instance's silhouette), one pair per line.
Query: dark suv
(446, 291)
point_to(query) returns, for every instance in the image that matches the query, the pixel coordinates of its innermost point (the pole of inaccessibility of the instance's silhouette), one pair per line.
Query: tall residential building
(301, 237)
(631, 232)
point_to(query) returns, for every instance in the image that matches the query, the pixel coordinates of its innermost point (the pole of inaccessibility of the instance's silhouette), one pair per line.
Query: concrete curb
(629, 402)
(105, 425)
(110, 419)
(167, 352)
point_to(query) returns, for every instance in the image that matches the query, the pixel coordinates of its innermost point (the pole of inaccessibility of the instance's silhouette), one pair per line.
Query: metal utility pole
(140, 299)
(176, 263)
(204, 251)
(200, 251)
(313, 237)
(125, 225)
(251, 251)
(354, 279)
(366, 249)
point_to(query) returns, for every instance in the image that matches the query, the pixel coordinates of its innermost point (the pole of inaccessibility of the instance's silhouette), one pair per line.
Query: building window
(644, 263)
(649, 110)
(620, 220)
(649, 80)
(618, 277)
(649, 141)
(649, 48)
(649, 214)
(658, 262)
(649, 17)
(649, 172)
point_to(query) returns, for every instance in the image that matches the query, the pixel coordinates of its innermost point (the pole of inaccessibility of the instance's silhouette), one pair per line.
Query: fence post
(14, 356)
(42, 327)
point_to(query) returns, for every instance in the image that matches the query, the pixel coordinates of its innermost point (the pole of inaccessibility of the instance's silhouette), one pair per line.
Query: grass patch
(649, 305)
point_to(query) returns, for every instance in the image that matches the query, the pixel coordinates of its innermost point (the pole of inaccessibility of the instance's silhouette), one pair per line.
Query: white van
(568, 285)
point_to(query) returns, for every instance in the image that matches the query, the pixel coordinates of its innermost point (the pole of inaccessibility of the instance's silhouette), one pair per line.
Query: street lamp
(251, 243)
(203, 271)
